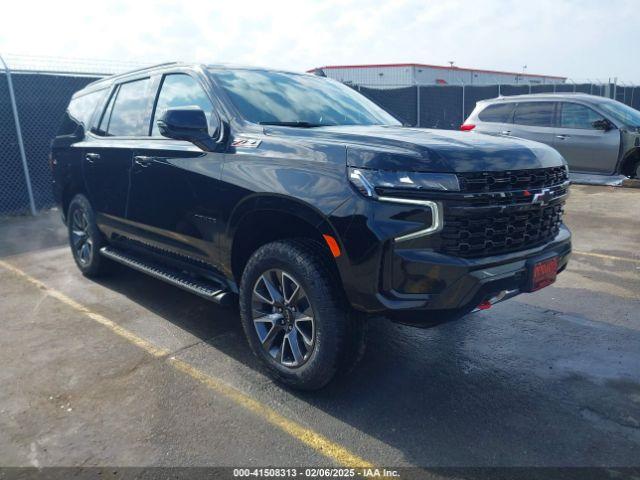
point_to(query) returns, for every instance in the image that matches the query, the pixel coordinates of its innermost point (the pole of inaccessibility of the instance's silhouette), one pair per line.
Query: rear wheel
(294, 315)
(85, 239)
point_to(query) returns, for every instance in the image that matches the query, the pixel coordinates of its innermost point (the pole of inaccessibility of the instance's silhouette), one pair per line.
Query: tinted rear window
(537, 114)
(80, 112)
(104, 120)
(499, 113)
(130, 114)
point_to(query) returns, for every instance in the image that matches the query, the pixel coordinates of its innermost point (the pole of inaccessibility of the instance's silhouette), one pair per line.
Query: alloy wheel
(81, 236)
(283, 318)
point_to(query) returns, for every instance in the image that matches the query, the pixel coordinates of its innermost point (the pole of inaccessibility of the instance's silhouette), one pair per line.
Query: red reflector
(333, 245)
(484, 305)
(465, 127)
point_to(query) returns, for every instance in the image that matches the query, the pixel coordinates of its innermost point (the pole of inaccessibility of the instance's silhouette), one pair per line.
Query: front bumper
(461, 285)
(423, 287)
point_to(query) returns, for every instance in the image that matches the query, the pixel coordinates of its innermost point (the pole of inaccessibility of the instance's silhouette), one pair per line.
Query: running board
(202, 287)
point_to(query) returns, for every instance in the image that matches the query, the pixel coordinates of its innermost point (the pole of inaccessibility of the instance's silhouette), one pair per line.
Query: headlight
(369, 181)
(379, 184)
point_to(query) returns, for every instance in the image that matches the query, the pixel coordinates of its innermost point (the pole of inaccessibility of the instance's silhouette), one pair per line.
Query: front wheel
(293, 313)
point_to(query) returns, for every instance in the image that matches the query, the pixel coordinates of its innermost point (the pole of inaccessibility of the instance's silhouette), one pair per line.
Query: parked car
(593, 134)
(306, 203)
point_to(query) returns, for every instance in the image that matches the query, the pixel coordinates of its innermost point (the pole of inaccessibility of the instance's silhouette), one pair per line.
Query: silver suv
(593, 134)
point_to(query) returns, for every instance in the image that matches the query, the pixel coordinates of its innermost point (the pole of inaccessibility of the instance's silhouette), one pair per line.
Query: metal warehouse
(404, 74)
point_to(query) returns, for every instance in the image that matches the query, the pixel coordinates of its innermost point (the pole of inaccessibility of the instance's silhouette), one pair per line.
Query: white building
(405, 74)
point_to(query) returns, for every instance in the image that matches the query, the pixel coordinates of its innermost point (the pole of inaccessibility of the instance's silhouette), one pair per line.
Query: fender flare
(269, 202)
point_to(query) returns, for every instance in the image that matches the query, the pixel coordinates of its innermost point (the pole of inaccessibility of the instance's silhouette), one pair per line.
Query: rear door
(584, 147)
(175, 186)
(535, 121)
(109, 150)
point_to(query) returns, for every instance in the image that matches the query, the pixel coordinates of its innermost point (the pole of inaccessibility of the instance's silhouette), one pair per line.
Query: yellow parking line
(110, 324)
(607, 257)
(318, 442)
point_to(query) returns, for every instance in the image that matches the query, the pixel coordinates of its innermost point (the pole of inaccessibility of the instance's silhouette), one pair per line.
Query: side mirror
(603, 124)
(190, 124)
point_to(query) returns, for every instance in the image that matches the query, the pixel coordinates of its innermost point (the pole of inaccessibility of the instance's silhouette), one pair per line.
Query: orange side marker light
(333, 245)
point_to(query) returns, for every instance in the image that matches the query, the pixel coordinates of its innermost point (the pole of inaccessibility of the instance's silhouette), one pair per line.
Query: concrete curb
(631, 183)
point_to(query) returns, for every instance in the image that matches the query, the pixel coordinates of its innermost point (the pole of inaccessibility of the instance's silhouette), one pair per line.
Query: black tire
(85, 239)
(335, 334)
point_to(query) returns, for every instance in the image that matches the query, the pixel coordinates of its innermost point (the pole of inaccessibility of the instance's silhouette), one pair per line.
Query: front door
(175, 186)
(585, 147)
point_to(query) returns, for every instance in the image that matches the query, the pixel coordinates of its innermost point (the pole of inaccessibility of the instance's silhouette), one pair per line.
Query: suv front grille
(477, 182)
(486, 235)
(496, 213)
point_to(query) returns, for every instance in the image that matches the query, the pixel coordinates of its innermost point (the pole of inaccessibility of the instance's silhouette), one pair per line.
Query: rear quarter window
(497, 113)
(80, 112)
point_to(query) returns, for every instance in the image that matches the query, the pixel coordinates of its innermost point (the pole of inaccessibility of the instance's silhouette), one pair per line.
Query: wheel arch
(68, 192)
(629, 161)
(266, 218)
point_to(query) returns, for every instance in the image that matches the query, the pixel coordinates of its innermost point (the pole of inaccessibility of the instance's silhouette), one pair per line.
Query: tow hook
(486, 305)
(503, 295)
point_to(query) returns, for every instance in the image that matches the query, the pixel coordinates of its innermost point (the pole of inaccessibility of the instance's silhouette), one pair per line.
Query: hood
(418, 149)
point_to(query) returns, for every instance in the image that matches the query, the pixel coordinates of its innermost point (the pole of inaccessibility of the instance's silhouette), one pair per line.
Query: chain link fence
(36, 91)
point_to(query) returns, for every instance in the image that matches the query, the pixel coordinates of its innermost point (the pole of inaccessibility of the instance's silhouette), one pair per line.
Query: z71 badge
(246, 142)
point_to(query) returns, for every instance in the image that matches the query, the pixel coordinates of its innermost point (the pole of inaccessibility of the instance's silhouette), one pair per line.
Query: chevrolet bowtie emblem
(543, 197)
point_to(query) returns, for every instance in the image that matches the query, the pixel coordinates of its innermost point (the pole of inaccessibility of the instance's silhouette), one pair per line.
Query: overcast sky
(581, 39)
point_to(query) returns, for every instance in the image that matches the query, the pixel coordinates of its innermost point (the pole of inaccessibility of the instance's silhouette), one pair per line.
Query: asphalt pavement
(130, 371)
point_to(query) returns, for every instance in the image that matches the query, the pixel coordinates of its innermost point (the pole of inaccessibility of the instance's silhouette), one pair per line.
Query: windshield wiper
(295, 124)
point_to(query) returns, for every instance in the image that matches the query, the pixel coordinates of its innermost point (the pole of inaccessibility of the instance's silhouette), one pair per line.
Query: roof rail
(149, 67)
(137, 70)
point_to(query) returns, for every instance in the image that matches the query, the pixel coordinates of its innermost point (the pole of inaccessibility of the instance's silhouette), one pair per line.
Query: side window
(498, 113)
(574, 115)
(104, 120)
(180, 90)
(537, 114)
(80, 112)
(127, 112)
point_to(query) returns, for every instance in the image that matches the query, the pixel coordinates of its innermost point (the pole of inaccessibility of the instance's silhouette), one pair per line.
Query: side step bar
(203, 287)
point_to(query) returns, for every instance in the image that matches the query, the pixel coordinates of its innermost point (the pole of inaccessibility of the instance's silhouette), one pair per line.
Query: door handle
(562, 137)
(143, 160)
(92, 157)
(505, 132)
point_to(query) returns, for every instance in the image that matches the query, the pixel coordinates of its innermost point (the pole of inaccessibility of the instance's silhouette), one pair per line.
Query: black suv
(309, 205)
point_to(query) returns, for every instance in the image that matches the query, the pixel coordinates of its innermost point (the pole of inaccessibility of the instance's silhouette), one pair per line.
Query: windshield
(623, 113)
(297, 100)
